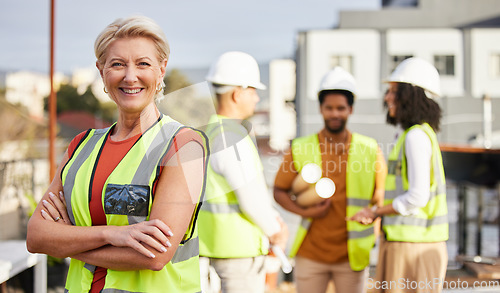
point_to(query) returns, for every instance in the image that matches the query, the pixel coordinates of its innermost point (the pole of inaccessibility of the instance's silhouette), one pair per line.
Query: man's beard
(338, 129)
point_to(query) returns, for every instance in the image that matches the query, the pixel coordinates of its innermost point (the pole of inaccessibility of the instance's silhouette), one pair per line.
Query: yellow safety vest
(129, 185)
(360, 185)
(225, 231)
(430, 223)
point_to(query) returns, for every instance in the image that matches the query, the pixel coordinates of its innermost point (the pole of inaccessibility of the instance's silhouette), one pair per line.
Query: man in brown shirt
(323, 254)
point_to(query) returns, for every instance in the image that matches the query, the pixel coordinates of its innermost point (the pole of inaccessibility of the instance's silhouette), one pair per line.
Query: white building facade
(462, 41)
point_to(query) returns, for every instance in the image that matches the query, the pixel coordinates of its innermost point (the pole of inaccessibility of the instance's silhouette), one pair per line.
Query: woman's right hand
(153, 233)
(364, 216)
(55, 209)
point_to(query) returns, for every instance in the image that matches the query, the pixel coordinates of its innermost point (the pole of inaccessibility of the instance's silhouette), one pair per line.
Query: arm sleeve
(418, 152)
(380, 175)
(183, 137)
(235, 163)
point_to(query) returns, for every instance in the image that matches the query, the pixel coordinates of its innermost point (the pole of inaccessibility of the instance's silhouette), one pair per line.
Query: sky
(198, 31)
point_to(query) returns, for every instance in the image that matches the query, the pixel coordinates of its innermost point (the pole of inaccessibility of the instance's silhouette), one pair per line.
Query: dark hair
(414, 107)
(349, 96)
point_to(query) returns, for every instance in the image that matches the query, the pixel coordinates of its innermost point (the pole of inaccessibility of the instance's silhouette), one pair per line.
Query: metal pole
(487, 121)
(52, 98)
(479, 226)
(462, 219)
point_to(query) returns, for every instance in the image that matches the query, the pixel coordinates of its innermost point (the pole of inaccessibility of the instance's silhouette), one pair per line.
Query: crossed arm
(146, 245)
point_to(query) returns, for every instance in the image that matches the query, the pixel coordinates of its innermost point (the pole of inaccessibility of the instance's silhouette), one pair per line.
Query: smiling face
(132, 72)
(335, 110)
(390, 99)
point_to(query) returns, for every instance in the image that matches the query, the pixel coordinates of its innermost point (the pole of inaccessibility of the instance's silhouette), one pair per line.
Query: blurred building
(282, 124)
(82, 78)
(29, 89)
(460, 37)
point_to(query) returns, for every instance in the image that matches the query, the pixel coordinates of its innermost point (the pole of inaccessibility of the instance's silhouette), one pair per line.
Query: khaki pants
(410, 267)
(313, 277)
(241, 275)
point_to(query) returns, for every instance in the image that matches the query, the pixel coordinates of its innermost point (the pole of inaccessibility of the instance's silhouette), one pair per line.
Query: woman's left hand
(364, 216)
(55, 209)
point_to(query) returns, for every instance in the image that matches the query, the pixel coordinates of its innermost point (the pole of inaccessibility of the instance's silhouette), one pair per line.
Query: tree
(17, 125)
(68, 99)
(89, 101)
(175, 80)
(108, 111)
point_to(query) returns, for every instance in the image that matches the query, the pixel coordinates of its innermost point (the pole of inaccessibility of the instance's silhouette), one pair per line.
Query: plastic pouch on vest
(394, 167)
(128, 199)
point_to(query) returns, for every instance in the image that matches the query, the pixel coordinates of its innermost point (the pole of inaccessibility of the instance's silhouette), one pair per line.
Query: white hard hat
(417, 72)
(235, 68)
(338, 79)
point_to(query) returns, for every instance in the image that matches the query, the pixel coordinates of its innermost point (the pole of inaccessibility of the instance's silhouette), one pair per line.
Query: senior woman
(117, 188)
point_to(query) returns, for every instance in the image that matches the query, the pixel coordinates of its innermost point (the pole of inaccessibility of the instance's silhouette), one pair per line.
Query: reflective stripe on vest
(222, 208)
(430, 223)
(360, 184)
(225, 231)
(136, 174)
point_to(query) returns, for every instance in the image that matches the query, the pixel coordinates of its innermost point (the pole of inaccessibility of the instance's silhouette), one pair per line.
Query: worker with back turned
(237, 221)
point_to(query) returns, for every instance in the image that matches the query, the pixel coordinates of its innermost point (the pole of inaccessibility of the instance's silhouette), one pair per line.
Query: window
(445, 64)
(344, 61)
(495, 65)
(399, 3)
(395, 60)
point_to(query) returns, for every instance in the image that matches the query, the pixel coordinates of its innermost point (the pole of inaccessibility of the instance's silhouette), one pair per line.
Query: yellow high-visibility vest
(129, 185)
(225, 231)
(430, 223)
(360, 185)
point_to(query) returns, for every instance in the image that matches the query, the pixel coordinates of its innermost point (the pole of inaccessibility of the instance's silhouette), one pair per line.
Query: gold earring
(104, 88)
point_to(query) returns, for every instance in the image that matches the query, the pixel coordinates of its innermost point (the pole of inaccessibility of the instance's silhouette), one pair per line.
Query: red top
(112, 154)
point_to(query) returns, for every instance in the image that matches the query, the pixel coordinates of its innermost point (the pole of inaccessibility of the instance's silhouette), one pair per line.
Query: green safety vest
(225, 231)
(360, 185)
(430, 223)
(130, 184)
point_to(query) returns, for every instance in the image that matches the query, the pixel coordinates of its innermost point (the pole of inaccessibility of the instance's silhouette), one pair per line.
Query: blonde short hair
(133, 26)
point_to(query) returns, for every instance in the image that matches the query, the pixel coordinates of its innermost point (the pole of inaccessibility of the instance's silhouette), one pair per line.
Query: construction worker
(329, 245)
(415, 214)
(124, 202)
(237, 221)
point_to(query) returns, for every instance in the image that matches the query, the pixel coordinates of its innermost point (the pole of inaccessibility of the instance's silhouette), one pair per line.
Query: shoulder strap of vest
(155, 152)
(77, 146)
(306, 150)
(363, 139)
(95, 136)
(225, 132)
